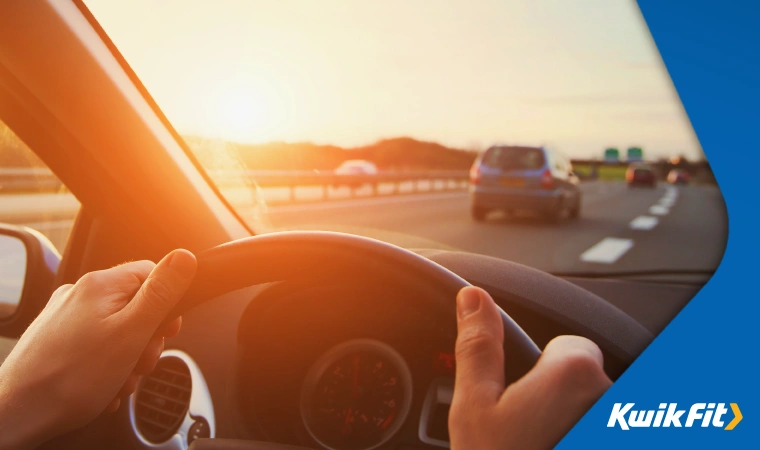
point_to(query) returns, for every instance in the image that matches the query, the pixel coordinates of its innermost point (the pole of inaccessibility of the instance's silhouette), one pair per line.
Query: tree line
(396, 154)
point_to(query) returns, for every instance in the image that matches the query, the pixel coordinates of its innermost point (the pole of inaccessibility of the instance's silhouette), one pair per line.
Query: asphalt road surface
(620, 229)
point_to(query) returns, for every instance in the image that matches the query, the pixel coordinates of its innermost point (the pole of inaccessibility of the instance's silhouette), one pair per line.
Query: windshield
(273, 98)
(514, 158)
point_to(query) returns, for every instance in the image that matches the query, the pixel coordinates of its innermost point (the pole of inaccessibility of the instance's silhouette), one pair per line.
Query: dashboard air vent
(162, 400)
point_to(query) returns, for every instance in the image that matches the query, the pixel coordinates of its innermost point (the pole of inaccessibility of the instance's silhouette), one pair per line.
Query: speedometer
(356, 396)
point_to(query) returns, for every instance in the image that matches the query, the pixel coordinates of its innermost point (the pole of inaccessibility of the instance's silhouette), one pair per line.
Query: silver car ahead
(510, 178)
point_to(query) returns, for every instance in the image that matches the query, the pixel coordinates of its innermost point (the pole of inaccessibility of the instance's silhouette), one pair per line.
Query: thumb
(164, 287)
(479, 349)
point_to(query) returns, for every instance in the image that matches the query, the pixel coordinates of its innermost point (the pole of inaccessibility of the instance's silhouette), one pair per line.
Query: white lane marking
(666, 202)
(671, 194)
(607, 251)
(644, 223)
(364, 202)
(52, 225)
(662, 208)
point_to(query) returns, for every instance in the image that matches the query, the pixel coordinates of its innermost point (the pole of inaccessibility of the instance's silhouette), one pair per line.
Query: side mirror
(28, 264)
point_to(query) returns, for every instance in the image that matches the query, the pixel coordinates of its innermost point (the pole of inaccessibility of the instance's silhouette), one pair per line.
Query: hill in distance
(396, 154)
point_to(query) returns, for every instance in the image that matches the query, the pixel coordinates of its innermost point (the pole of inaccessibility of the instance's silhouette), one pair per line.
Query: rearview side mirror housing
(28, 265)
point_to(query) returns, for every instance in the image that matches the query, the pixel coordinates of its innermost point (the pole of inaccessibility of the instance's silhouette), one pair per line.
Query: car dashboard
(322, 368)
(353, 364)
(332, 365)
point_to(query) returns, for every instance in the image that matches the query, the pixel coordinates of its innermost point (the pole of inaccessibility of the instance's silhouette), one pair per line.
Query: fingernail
(468, 302)
(182, 262)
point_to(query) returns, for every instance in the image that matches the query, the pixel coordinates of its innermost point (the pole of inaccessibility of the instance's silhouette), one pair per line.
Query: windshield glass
(514, 158)
(281, 94)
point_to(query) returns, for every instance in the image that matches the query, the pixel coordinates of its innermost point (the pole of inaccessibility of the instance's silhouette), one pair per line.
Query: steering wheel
(299, 255)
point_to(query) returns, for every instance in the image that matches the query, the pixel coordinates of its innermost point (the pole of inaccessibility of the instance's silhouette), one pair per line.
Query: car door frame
(70, 96)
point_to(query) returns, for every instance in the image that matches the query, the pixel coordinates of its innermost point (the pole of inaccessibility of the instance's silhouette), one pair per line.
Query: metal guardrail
(20, 180)
(23, 180)
(327, 180)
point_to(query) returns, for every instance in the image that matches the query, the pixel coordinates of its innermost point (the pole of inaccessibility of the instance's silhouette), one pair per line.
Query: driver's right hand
(534, 412)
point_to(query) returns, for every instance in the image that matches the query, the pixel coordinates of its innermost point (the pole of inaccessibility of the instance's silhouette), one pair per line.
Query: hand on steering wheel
(534, 412)
(88, 347)
(93, 338)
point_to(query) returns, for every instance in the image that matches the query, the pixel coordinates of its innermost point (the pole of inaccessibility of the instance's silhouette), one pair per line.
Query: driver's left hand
(88, 347)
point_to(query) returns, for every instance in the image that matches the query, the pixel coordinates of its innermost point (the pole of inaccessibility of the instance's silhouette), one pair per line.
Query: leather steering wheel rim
(319, 255)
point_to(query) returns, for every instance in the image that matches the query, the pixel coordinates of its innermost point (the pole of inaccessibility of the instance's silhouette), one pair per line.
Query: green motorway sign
(612, 154)
(635, 154)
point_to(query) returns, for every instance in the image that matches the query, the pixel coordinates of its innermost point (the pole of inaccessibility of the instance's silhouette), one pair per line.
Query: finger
(562, 347)
(150, 356)
(171, 329)
(137, 270)
(573, 364)
(479, 351)
(113, 406)
(162, 290)
(569, 377)
(125, 278)
(571, 371)
(129, 386)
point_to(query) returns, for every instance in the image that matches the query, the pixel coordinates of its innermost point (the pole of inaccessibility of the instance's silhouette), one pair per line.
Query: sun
(242, 116)
(238, 113)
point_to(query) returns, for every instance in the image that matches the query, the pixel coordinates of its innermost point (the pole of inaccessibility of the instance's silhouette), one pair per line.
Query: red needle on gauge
(347, 421)
(355, 393)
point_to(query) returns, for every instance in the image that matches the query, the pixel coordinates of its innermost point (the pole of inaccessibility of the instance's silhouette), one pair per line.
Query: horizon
(378, 141)
(339, 73)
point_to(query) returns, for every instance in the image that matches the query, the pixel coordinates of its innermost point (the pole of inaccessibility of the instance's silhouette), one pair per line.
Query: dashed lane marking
(644, 223)
(607, 251)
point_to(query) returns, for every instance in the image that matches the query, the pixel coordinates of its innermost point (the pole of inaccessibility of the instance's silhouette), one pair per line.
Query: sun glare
(241, 117)
(237, 112)
(330, 72)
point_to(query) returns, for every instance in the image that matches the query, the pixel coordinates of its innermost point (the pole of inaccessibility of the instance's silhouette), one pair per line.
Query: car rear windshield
(514, 158)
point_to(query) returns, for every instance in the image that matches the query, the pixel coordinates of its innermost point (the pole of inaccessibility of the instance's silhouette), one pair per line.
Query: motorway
(677, 228)
(620, 229)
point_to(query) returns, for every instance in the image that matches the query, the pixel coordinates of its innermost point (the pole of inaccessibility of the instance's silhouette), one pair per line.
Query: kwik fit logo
(668, 415)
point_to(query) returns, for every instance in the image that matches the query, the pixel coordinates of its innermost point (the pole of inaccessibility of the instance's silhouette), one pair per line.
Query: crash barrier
(33, 180)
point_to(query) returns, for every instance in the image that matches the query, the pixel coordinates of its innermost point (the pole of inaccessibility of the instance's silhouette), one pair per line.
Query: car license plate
(512, 182)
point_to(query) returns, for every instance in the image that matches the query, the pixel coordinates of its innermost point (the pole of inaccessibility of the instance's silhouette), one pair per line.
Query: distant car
(356, 167)
(678, 176)
(639, 174)
(511, 178)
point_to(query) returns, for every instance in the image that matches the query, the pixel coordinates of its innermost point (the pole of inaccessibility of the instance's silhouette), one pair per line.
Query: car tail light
(475, 174)
(547, 179)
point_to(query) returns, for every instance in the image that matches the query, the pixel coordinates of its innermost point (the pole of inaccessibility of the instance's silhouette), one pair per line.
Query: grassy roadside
(605, 173)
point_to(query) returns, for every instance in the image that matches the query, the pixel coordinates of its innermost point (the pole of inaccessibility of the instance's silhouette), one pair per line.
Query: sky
(581, 75)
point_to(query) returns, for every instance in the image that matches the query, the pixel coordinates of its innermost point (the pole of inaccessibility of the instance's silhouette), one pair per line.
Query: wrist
(25, 422)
